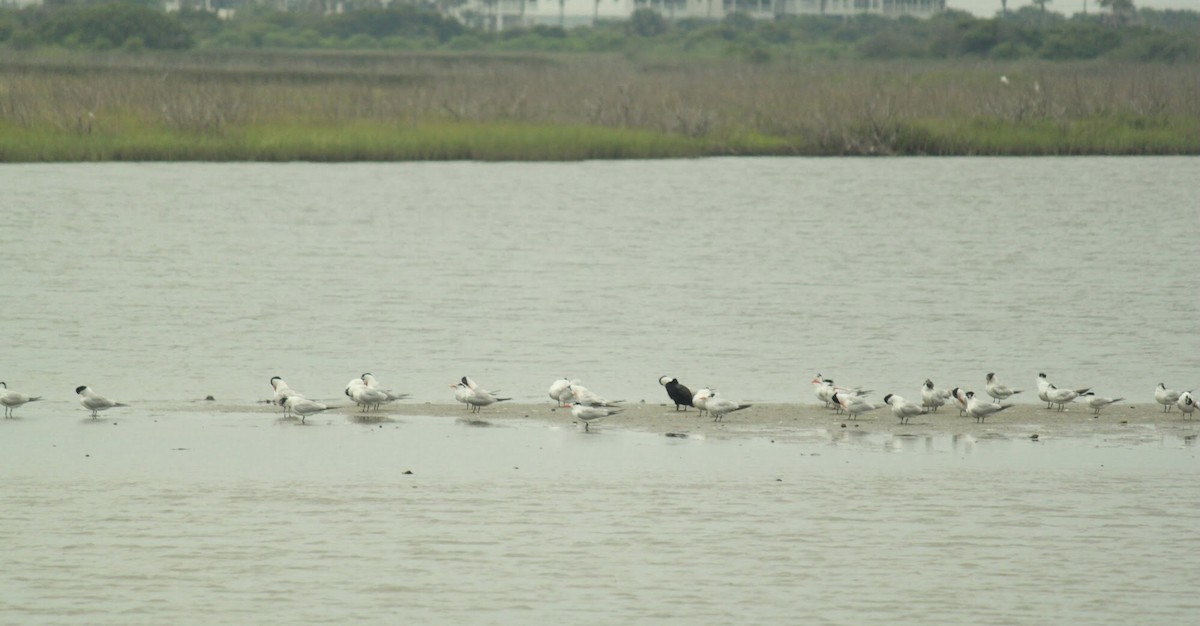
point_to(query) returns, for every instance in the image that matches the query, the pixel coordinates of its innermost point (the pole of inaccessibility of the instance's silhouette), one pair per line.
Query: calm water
(174, 517)
(160, 284)
(751, 275)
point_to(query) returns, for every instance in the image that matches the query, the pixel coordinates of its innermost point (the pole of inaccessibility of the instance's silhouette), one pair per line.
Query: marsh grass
(377, 106)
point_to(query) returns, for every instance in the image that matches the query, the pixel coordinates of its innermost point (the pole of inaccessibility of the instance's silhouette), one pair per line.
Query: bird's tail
(1083, 391)
(502, 399)
(740, 407)
(120, 404)
(35, 398)
(1116, 400)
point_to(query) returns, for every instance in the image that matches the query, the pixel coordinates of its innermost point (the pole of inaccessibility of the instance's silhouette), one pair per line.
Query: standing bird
(560, 391)
(1166, 397)
(371, 383)
(850, 403)
(902, 408)
(983, 410)
(823, 390)
(1062, 396)
(719, 407)
(587, 397)
(700, 399)
(303, 406)
(93, 401)
(475, 397)
(680, 395)
(589, 414)
(960, 398)
(1043, 385)
(1186, 404)
(12, 399)
(282, 392)
(1096, 402)
(996, 390)
(931, 398)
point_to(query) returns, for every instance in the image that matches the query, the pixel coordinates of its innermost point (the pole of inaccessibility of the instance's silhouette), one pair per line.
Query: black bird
(680, 395)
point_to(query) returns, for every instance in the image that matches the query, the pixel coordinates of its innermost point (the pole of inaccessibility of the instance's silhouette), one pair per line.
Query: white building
(500, 14)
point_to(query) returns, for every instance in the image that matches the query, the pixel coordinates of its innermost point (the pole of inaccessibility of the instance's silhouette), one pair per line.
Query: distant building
(500, 14)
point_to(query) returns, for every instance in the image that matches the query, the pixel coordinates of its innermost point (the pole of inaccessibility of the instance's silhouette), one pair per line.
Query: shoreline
(787, 421)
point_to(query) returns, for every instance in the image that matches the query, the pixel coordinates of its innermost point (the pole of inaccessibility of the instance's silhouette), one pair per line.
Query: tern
(588, 414)
(960, 398)
(902, 408)
(1043, 385)
(587, 397)
(719, 407)
(467, 392)
(93, 401)
(303, 406)
(982, 410)
(1186, 404)
(1096, 402)
(850, 403)
(931, 398)
(996, 390)
(700, 400)
(12, 399)
(1166, 397)
(680, 395)
(560, 391)
(282, 392)
(372, 395)
(824, 389)
(1062, 396)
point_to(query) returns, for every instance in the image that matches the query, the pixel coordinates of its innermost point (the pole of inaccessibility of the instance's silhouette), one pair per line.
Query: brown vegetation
(819, 108)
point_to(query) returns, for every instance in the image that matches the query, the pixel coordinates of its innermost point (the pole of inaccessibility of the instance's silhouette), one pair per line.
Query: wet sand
(800, 421)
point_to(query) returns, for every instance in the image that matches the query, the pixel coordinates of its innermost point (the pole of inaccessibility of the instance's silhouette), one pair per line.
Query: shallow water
(175, 281)
(180, 516)
(160, 284)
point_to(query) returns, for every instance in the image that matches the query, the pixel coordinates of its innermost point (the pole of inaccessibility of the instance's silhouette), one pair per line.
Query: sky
(988, 8)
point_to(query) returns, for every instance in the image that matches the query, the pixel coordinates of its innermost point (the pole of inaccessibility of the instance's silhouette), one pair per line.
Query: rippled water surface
(183, 280)
(181, 517)
(160, 284)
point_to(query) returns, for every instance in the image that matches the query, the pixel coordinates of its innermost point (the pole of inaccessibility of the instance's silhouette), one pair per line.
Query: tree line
(1143, 35)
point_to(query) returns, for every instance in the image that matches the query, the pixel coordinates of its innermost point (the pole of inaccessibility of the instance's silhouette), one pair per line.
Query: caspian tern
(700, 400)
(560, 391)
(1186, 404)
(680, 395)
(718, 407)
(1166, 397)
(588, 414)
(996, 390)
(931, 398)
(982, 410)
(1096, 402)
(93, 401)
(303, 406)
(12, 399)
(902, 408)
(850, 403)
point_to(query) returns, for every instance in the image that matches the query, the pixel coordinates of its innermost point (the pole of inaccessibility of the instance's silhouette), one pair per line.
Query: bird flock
(587, 406)
(853, 401)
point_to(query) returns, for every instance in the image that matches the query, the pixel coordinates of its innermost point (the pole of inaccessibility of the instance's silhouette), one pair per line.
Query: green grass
(360, 141)
(501, 141)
